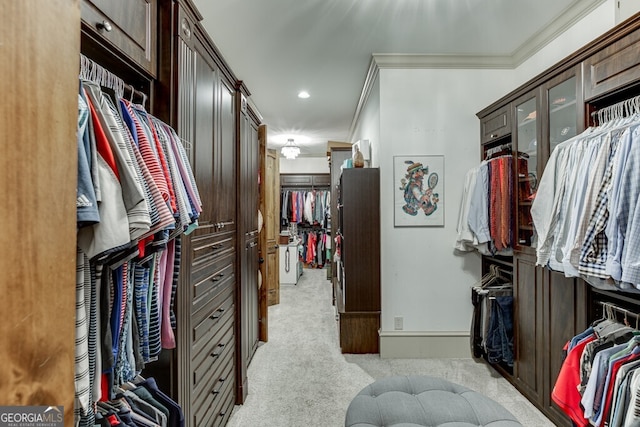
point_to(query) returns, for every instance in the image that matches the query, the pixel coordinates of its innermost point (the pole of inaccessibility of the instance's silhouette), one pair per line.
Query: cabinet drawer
(212, 359)
(128, 25)
(496, 125)
(296, 180)
(216, 312)
(207, 248)
(612, 68)
(322, 180)
(215, 394)
(211, 289)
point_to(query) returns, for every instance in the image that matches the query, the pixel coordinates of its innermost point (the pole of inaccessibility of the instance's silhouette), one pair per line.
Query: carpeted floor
(300, 377)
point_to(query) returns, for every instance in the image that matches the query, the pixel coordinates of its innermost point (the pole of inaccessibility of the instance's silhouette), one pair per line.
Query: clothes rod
(619, 110)
(94, 72)
(609, 307)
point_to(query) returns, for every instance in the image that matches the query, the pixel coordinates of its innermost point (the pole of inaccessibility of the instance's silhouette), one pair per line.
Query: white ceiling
(280, 47)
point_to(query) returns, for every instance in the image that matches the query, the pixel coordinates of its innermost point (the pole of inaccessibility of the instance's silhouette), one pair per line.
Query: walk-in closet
(153, 224)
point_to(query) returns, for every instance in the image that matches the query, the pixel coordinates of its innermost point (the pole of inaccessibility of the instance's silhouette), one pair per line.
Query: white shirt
(546, 203)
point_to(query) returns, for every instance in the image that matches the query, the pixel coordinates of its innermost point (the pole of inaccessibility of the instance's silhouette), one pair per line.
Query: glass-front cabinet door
(565, 110)
(545, 118)
(526, 164)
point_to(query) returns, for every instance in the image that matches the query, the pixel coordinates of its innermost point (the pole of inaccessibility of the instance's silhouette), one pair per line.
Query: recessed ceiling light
(304, 94)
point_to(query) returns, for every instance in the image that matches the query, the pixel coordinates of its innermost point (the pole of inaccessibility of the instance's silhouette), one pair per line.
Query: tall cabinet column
(200, 95)
(247, 296)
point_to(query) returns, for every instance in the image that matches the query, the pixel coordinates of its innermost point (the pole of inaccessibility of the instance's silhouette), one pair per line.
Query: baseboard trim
(424, 345)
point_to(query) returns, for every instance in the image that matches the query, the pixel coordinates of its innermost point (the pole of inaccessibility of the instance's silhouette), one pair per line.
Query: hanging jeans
(500, 334)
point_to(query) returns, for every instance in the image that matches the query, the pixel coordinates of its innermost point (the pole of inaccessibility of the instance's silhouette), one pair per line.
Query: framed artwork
(418, 185)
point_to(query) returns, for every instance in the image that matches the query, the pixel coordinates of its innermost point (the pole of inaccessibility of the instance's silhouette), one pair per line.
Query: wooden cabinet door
(612, 68)
(247, 235)
(205, 78)
(496, 125)
(270, 209)
(565, 303)
(225, 158)
(130, 26)
(528, 327)
(271, 281)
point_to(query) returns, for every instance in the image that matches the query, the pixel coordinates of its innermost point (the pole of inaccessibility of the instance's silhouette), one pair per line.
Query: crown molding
(408, 61)
(577, 10)
(369, 81)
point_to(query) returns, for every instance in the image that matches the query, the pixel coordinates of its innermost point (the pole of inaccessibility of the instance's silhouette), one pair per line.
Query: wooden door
(263, 241)
(270, 194)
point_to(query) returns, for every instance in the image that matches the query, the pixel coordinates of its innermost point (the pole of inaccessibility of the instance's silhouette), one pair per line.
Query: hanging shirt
(545, 206)
(86, 204)
(466, 239)
(565, 392)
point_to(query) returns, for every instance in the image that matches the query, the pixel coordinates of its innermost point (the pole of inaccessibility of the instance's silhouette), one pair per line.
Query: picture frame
(419, 196)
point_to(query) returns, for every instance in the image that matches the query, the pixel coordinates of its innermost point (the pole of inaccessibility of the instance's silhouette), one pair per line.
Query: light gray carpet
(300, 377)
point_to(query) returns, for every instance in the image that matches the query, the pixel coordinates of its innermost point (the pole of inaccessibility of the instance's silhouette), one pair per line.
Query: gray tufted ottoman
(424, 401)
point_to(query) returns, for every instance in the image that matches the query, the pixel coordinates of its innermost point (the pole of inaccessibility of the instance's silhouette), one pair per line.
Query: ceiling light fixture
(304, 94)
(290, 151)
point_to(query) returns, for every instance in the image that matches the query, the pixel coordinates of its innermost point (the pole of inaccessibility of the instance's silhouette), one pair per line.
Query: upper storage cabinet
(129, 26)
(613, 68)
(495, 125)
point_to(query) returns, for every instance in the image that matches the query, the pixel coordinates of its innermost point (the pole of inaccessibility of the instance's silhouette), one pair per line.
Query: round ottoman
(410, 401)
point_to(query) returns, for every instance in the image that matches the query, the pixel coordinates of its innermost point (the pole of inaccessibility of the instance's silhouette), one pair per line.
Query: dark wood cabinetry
(207, 310)
(528, 330)
(248, 197)
(217, 298)
(550, 308)
(310, 181)
(129, 27)
(337, 156)
(496, 125)
(358, 276)
(615, 67)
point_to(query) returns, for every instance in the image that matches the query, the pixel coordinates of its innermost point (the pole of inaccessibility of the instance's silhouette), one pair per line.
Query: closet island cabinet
(549, 308)
(358, 275)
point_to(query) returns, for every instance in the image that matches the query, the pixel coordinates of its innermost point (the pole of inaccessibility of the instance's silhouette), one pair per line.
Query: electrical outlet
(397, 323)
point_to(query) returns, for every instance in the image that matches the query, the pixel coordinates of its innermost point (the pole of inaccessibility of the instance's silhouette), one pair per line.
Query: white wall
(598, 22)
(368, 126)
(304, 165)
(430, 112)
(626, 8)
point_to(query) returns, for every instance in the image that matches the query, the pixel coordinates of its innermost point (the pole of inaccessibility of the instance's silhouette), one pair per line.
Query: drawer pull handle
(494, 135)
(215, 354)
(222, 380)
(215, 278)
(220, 225)
(214, 317)
(104, 25)
(222, 414)
(215, 391)
(221, 275)
(221, 345)
(221, 310)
